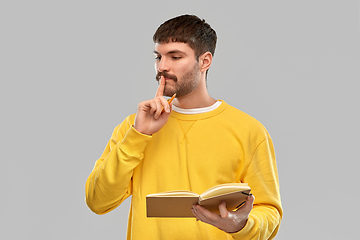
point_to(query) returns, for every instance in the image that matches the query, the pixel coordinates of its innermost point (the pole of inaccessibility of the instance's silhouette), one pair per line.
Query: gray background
(72, 70)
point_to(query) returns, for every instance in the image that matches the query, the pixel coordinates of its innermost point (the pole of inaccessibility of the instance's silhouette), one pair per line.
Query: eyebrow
(171, 52)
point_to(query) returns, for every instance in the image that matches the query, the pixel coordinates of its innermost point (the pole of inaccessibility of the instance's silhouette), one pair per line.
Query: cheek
(188, 68)
(183, 71)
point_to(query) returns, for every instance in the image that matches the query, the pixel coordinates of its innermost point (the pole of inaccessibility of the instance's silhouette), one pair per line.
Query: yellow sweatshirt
(191, 152)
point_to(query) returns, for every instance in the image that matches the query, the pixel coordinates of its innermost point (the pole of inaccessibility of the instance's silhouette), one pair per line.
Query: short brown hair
(188, 29)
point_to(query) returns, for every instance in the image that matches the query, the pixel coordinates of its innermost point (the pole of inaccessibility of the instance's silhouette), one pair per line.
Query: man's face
(176, 61)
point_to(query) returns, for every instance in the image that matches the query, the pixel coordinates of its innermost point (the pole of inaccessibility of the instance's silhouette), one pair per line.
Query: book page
(224, 189)
(232, 200)
(177, 193)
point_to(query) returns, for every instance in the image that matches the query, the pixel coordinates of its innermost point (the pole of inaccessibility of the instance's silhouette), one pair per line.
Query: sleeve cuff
(134, 142)
(247, 231)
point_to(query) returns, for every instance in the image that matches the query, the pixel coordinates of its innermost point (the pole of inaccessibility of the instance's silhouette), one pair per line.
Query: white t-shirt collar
(197, 110)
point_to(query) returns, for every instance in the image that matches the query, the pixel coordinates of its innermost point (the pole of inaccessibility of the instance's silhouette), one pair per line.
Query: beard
(182, 86)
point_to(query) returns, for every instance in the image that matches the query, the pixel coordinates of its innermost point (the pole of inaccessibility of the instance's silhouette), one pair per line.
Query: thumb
(223, 210)
(249, 203)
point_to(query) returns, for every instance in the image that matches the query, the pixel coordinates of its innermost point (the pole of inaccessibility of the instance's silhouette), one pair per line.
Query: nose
(162, 65)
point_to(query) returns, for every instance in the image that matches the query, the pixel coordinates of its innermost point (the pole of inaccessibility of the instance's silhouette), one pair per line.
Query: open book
(179, 203)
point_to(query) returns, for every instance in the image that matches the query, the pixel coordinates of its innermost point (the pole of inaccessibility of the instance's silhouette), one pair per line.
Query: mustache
(166, 75)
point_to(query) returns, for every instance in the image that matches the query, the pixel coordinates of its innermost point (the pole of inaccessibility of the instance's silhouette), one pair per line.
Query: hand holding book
(228, 221)
(180, 203)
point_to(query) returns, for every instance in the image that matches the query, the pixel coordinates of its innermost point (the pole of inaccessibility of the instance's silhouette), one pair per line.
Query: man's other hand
(228, 221)
(149, 117)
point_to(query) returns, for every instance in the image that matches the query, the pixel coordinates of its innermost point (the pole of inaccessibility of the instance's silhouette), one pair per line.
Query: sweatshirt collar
(199, 113)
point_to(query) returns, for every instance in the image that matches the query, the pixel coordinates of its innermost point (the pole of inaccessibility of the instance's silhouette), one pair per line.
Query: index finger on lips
(160, 90)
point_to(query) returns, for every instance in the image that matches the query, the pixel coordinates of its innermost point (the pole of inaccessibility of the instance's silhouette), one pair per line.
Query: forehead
(173, 47)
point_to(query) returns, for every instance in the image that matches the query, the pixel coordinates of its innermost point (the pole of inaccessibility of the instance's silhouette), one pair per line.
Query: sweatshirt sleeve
(110, 181)
(261, 174)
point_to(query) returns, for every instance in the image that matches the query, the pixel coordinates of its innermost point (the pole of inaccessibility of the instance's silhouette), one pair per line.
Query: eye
(157, 57)
(176, 58)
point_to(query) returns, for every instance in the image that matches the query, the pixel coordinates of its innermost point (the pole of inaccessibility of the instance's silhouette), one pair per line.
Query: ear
(205, 61)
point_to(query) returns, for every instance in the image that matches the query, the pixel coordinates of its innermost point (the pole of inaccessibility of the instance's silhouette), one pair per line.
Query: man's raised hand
(149, 117)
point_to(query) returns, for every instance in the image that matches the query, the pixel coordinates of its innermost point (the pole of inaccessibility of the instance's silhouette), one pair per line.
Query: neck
(199, 98)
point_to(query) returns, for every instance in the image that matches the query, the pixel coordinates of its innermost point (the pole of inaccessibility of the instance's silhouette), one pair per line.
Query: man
(194, 144)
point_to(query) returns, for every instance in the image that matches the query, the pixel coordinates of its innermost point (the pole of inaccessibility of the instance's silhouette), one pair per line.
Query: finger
(206, 216)
(250, 201)
(160, 90)
(153, 106)
(194, 212)
(159, 107)
(169, 104)
(248, 206)
(223, 210)
(165, 107)
(197, 215)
